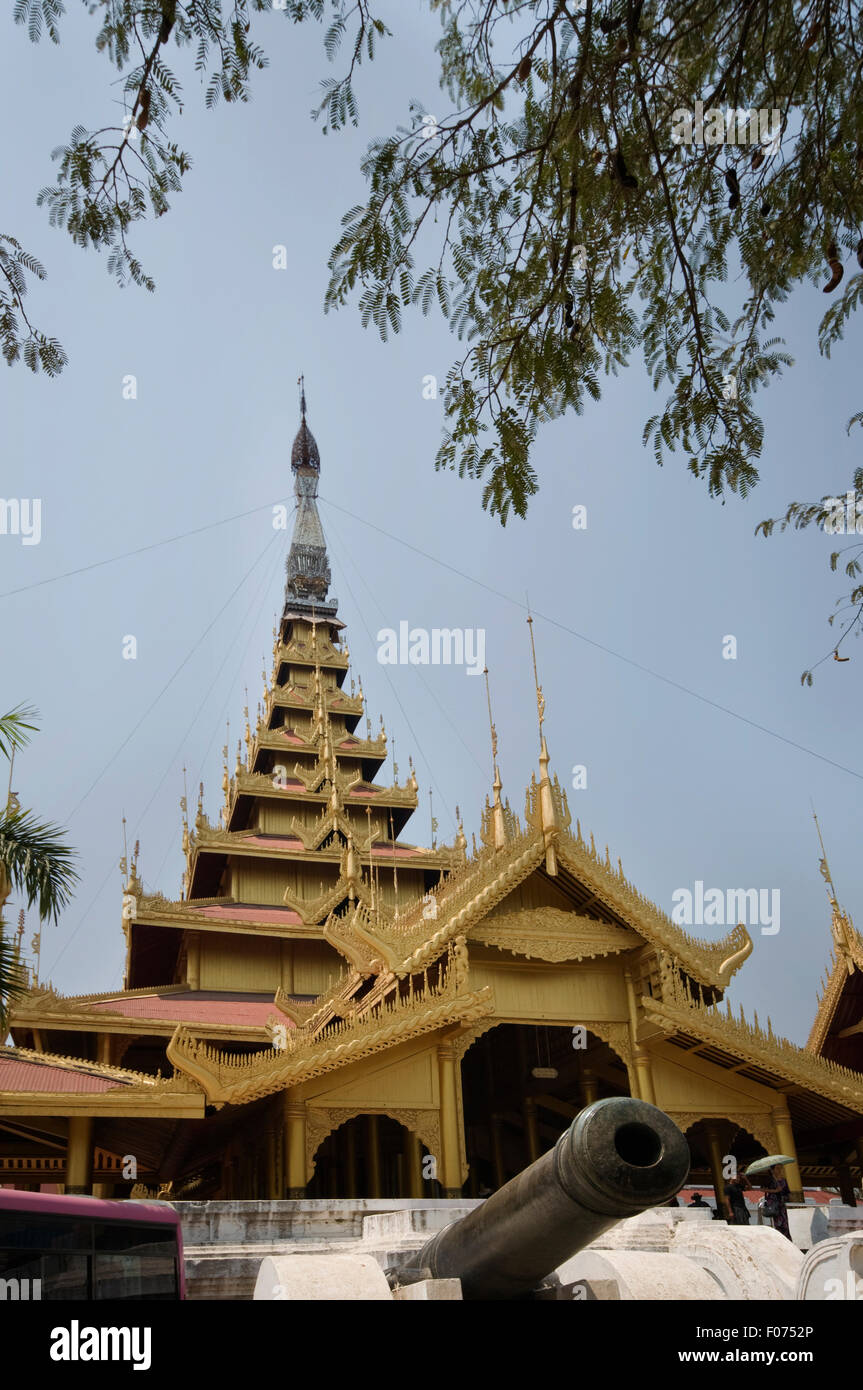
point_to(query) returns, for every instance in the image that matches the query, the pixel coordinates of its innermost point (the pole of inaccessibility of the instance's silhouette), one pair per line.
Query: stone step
(268, 1223)
(231, 1271)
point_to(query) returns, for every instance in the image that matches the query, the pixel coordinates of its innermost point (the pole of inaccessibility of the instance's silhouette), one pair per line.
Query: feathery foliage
(34, 861)
(563, 217)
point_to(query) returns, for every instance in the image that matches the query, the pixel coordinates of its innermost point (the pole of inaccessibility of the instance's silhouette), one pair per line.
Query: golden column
(714, 1151)
(645, 1077)
(79, 1154)
(295, 1147)
(589, 1086)
(640, 1078)
(785, 1145)
(413, 1163)
(373, 1156)
(449, 1166)
(531, 1129)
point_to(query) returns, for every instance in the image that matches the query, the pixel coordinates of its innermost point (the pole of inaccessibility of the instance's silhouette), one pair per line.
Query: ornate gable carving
(549, 933)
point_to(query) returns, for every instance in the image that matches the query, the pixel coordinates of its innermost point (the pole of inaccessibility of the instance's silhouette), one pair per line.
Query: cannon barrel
(618, 1157)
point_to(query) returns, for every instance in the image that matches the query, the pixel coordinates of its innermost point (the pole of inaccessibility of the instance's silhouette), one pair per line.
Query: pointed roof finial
(498, 825)
(544, 814)
(822, 862)
(540, 698)
(491, 721)
(301, 382)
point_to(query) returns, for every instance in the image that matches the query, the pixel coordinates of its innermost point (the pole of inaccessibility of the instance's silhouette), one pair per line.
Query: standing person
(776, 1201)
(739, 1212)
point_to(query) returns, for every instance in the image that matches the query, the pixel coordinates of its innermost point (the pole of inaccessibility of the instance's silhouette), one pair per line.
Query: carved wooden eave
(261, 784)
(238, 1080)
(748, 1041)
(315, 911)
(710, 962)
(363, 749)
(210, 839)
(552, 934)
(358, 939)
(846, 960)
(827, 1006)
(156, 911)
(313, 1014)
(300, 653)
(336, 701)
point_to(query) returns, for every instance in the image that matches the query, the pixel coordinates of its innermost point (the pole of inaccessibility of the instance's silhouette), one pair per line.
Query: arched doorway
(720, 1148)
(372, 1155)
(522, 1086)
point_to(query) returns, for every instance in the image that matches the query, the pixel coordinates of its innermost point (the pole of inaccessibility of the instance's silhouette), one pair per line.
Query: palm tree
(33, 861)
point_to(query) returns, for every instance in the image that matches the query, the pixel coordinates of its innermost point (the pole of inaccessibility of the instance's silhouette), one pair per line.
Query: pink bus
(54, 1247)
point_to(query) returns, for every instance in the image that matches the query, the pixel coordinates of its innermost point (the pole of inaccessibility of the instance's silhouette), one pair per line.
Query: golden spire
(248, 732)
(433, 822)
(822, 863)
(412, 780)
(540, 698)
(840, 925)
(546, 820)
(124, 862)
(498, 836)
(460, 841)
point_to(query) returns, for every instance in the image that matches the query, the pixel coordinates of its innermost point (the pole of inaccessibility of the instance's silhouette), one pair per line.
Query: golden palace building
(332, 1011)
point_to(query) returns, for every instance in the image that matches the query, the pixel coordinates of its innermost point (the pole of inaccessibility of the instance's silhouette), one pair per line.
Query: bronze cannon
(618, 1157)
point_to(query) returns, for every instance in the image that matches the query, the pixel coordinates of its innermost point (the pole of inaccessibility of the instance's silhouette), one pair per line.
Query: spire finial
(498, 826)
(490, 720)
(540, 698)
(822, 863)
(301, 382)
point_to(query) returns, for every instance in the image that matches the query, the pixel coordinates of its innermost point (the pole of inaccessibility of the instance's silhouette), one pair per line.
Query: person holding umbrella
(775, 1186)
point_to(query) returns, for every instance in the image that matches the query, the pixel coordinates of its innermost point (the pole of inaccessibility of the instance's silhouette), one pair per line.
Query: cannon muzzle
(618, 1157)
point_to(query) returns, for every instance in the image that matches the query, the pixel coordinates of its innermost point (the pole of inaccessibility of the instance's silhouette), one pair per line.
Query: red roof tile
(196, 1006)
(275, 841)
(239, 913)
(20, 1075)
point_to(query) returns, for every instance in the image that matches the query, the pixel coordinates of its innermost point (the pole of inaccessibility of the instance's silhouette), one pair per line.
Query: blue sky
(678, 788)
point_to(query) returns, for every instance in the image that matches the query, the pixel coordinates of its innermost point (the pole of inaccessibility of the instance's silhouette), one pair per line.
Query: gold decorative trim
(322, 1122)
(751, 1043)
(616, 1035)
(757, 1125)
(552, 934)
(705, 960)
(237, 1080)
